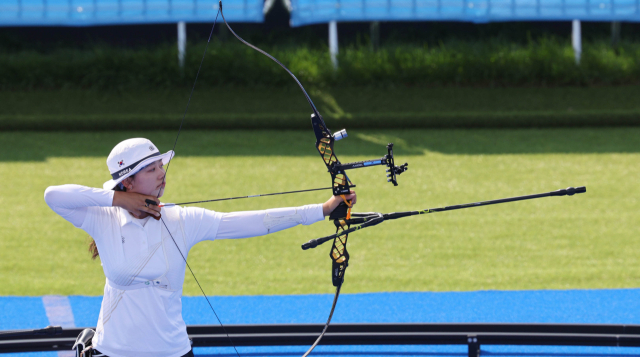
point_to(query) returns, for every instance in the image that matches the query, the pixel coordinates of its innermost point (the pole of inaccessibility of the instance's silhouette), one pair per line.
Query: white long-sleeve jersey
(141, 312)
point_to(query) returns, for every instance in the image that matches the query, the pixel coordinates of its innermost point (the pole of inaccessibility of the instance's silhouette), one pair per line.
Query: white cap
(131, 155)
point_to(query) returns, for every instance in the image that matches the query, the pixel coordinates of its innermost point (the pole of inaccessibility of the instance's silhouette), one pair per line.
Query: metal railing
(473, 335)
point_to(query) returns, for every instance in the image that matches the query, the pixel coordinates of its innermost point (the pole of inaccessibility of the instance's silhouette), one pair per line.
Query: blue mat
(617, 306)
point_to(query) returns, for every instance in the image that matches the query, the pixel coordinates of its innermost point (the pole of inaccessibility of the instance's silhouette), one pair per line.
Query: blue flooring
(616, 306)
(22, 313)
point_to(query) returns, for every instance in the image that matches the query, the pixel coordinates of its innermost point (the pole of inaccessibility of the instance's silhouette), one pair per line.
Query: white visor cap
(129, 156)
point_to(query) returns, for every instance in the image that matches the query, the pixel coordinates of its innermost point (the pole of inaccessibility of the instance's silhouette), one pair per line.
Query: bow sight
(341, 182)
(393, 169)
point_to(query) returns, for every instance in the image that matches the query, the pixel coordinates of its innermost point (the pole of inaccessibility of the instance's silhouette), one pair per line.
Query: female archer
(143, 259)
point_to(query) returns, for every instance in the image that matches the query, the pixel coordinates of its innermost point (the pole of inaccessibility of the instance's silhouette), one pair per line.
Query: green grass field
(585, 241)
(354, 107)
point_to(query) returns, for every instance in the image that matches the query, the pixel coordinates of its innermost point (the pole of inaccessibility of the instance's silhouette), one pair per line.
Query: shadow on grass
(38, 146)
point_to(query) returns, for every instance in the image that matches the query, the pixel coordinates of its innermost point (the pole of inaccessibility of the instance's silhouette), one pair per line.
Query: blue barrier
(605, 306)
(123, 12)
(598, 306)
(306, 12)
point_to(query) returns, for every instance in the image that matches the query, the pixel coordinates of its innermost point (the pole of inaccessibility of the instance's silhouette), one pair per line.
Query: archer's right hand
(135, 204)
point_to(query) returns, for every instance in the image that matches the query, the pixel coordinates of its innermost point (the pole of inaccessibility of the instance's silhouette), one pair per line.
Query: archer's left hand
(335, 201)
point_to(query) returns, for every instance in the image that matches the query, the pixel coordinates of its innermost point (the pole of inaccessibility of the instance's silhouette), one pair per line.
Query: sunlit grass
(585, 241)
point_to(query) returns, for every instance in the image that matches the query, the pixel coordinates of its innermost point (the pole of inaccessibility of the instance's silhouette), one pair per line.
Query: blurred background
(98, 64)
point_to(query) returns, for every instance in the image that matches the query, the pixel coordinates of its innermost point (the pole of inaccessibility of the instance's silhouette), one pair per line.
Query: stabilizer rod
(371, 219)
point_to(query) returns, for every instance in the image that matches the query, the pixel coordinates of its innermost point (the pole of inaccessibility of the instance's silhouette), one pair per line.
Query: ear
(128, 183)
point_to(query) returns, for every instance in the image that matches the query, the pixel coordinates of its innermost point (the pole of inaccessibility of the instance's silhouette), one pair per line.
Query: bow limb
(339, 257)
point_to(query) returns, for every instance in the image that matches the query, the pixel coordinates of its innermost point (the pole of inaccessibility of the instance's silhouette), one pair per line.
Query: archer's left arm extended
(258, 223)
(202, 224)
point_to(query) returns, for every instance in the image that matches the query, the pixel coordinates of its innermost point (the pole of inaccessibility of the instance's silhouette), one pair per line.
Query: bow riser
(338, 253)
(339, 257)
(324, 144)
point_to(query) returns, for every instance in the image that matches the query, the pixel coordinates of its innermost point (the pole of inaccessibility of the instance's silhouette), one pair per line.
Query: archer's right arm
(71, 202)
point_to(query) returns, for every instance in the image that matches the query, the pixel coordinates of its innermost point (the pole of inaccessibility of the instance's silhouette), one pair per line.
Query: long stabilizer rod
(371, 219)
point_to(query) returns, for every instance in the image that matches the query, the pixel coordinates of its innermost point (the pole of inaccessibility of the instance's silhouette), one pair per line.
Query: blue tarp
(123, 12)
(307, 12)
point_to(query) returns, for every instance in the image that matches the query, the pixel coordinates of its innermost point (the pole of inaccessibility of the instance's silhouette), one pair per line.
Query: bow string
(340, 183)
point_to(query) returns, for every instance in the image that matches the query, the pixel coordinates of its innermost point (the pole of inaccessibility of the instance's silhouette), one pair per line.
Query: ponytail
(93, 249)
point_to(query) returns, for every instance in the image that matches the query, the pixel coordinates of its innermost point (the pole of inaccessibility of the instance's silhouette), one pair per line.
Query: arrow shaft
(249, 196)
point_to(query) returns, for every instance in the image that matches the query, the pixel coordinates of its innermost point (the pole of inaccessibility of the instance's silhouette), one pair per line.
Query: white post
(333, 43)
(576, 40)
(182, 42)
(615, 33)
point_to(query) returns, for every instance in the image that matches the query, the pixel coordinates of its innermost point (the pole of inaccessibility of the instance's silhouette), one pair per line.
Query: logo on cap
(120, 163)
(124, 172)
(151, 148)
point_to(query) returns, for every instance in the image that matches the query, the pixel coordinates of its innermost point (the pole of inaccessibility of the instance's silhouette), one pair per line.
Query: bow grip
(339, 212)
